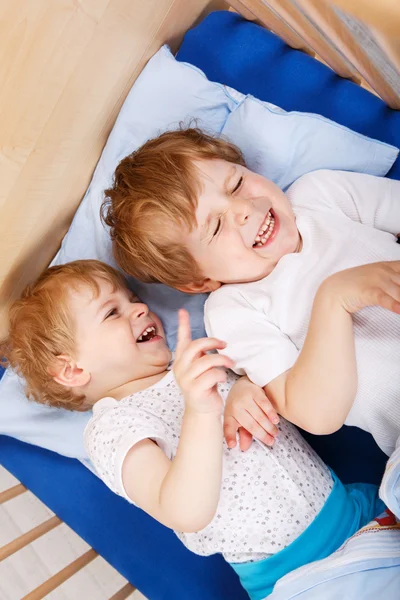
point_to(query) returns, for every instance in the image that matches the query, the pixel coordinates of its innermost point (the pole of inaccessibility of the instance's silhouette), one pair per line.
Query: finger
(387, 301)
(393, 287)
(245, 439)
(395, 264)
(209, 380)
(184, 332)
(249, 423)
(262, 419)
(266, 406)
(230, 430)
(209, 361)
(199, 347)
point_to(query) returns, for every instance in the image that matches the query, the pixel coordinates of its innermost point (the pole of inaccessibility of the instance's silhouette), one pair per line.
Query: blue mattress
(252, 60)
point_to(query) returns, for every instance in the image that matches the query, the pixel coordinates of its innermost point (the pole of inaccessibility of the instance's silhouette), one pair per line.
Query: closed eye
(218, 227)
(111, 313)
(238, 185)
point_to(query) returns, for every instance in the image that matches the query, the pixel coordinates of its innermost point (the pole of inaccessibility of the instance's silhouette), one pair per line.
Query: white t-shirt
(268, 496)
(345, 220)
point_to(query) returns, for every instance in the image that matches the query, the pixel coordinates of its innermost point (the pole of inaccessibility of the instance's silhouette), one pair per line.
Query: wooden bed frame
(66, 67)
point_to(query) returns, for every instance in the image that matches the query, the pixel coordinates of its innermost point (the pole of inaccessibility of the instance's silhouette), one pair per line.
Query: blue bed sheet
(251, 59)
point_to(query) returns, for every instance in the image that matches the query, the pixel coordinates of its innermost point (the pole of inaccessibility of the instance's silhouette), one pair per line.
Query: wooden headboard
(67, 65)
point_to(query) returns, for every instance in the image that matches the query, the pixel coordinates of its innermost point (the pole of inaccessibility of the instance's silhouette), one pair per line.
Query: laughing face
(245, 224)
(119, 341)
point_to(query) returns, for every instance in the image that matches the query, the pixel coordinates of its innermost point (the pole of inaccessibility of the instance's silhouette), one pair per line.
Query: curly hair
(41, 328)
(154, 195)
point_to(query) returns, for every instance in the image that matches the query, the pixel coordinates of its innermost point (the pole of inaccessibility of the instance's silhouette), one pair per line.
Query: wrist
(205, 414)
(329, 296)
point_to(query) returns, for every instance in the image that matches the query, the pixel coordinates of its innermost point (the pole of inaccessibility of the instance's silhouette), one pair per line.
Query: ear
(207, 285)
(66, 372)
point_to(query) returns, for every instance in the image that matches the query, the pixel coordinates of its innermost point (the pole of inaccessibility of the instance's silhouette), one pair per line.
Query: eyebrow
(210, 218)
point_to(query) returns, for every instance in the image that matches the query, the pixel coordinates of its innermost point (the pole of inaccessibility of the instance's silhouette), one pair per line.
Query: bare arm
(318, 391)
(183, 493)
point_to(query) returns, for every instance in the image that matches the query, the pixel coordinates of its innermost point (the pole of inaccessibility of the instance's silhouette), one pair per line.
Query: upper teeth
(265, 230)
(148, 330)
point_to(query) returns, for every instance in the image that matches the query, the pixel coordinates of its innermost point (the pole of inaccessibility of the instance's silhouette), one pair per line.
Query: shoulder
(108, 414)
(326, 180)
(320, 188)
(231, 296)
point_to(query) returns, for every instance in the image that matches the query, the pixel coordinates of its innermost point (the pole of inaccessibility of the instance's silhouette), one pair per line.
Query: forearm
(321, 386)
(190, 491)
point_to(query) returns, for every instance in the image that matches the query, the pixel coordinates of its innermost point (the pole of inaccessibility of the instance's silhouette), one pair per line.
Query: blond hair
(155, 190)
(41, 328)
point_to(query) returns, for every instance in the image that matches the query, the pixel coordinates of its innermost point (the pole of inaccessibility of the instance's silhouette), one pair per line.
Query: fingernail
(275, 420)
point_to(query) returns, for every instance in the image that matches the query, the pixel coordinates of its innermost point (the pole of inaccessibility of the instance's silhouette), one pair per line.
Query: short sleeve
(258, 347)
(367, 199)
(112, 431)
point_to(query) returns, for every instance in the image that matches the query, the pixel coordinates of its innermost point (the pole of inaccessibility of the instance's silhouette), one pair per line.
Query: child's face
(245, 224)
(118, 339)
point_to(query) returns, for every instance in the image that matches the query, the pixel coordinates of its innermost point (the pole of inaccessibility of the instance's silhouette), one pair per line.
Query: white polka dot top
(268, 496)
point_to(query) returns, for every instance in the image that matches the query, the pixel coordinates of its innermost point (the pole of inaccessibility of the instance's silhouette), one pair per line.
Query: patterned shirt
(268, 496)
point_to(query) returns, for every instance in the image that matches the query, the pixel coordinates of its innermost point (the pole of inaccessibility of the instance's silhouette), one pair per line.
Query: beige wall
(65, 69)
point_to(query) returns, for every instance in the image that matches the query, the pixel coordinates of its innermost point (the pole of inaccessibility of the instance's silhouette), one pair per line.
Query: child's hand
(249, 411)
(198, 373)
(376, 284)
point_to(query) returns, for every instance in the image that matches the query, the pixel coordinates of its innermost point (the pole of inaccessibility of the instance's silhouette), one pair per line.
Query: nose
(138, 309)
(242, 211)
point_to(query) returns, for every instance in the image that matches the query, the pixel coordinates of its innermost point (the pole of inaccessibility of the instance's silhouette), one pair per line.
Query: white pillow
(166, 93)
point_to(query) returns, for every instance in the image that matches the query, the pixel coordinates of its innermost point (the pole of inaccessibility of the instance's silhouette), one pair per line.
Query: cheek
(158, 323)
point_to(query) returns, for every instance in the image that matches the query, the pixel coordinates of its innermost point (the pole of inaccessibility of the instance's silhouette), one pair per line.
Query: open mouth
(265, 231)
(148, 334)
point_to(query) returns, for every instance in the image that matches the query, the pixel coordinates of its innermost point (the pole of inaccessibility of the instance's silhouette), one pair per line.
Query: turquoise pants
(346, 510)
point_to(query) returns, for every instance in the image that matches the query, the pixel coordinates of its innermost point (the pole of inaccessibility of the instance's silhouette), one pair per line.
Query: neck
(136, 385)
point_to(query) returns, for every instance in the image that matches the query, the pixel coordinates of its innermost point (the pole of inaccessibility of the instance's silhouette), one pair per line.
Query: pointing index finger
(184, 331)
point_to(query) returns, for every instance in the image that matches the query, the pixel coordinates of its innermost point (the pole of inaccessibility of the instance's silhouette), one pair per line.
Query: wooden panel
(382, 14)
(65, 69)
(373, 46)
(391, 47)
(327, 20)
(383, 18)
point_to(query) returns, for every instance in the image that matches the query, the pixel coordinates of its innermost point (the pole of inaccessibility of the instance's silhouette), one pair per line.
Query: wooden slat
(297, 21)
(12, 493)
(390, 46)
(333, 27)
(51, 584)
(124, 592)
(28, 537)
(270, 20)
(381, 14)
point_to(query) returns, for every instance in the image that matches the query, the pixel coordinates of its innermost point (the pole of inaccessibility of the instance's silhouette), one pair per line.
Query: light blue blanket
(366, 566)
